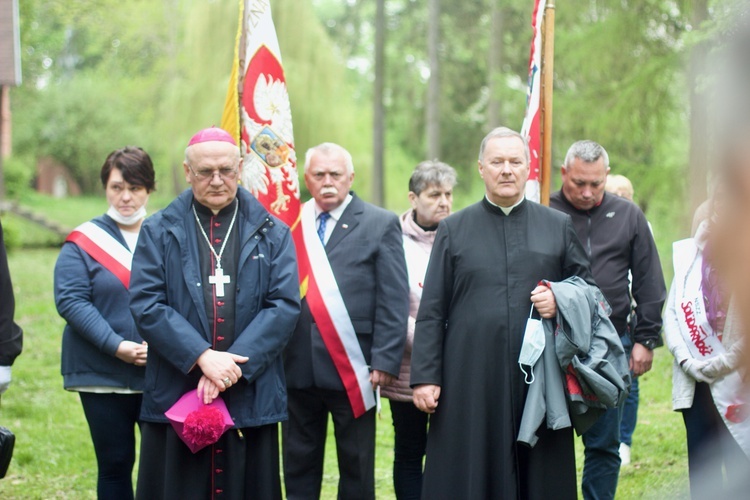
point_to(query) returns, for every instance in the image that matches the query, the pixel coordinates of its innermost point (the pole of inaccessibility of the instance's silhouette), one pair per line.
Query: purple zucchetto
(212, 134)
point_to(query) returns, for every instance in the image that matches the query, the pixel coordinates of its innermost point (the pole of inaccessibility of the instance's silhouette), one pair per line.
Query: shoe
(624, 454)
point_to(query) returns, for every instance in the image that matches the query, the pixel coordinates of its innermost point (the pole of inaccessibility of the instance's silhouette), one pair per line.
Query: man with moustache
(617, 240)
(350, 336)
(482, 283)
(215, 293)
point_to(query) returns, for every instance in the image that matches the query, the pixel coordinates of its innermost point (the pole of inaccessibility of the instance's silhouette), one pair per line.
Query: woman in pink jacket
(431, 196)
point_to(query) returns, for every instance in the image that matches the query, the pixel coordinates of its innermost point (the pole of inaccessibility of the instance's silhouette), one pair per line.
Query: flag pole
(230, 117)
(548, 67)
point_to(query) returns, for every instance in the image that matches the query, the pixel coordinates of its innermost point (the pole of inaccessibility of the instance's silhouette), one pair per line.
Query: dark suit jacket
(367, 257)
(11, 335)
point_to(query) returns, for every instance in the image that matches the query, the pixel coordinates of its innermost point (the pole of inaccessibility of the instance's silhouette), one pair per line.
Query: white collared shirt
(335, 216)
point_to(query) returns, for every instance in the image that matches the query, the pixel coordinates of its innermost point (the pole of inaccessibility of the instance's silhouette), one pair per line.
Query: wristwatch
(649, 344)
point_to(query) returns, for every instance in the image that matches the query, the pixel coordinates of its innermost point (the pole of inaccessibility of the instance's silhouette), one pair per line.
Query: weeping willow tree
(322, 106)
(99, 75)
(324, 100)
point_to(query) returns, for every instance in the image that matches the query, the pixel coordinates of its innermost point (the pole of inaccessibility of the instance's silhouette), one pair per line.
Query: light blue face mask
(532, 346)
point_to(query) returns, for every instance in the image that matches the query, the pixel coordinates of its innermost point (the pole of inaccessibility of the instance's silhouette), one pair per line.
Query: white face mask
(532, 346)
(129, 220)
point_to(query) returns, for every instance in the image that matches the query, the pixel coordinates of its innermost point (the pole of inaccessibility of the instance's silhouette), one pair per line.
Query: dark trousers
(304, 438)
(630, 413)
(601, 455)
(712, 451)
(112, 419)
(601, 466)
(410, 430)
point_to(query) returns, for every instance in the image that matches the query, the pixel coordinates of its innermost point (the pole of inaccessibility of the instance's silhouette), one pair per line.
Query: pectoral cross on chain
(219, 279)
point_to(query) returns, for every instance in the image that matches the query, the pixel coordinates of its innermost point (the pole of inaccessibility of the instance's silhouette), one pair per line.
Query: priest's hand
(640, 359)
(132, 352)
(381, 378)
(544, 301)
(221, 368)
(207, 390)
(426, 397)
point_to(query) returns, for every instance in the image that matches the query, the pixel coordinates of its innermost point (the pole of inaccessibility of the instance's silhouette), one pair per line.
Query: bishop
(224, 341)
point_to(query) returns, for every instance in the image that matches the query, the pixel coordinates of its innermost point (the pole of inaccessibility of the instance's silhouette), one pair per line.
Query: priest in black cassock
(480, 286)
(214, 291)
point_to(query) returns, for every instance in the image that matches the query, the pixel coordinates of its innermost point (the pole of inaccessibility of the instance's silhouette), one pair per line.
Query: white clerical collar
(506, 210)
(336, 212)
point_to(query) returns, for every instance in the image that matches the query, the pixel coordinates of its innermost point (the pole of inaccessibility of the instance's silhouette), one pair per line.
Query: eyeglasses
(205, 174)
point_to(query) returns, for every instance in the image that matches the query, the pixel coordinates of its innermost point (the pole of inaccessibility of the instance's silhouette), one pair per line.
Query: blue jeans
(112, 419)
(630, 413)
(601, 464)
(410, 426)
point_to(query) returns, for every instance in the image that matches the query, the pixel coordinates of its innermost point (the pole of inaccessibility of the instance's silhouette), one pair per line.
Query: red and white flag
(257, 113)
(260, 118)
(531, 128)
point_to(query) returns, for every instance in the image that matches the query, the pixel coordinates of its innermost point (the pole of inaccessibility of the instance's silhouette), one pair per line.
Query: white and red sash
(330, 314)
(104, 249)
(703, 343)
(697, 333)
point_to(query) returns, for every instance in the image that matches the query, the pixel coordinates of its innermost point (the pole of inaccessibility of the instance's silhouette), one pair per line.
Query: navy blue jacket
(94, 303)
(167, 301)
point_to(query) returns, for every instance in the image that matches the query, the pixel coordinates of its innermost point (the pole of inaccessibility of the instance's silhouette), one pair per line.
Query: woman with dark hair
(103, 356)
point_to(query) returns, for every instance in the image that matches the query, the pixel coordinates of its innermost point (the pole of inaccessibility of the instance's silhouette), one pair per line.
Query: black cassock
(470, 325)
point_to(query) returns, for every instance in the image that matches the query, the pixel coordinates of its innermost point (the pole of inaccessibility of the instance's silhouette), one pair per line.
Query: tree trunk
(494, 66)
(378, 126)
(3, 90)
(171, 11)
(699, 126)
(433, 90)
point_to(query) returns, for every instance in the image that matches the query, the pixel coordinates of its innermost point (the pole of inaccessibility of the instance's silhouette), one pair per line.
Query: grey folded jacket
(583, 370)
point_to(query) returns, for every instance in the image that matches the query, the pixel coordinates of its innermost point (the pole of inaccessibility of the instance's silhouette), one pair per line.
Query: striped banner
(531, 128)
(258, 114)
(332, 319)
(104, 249)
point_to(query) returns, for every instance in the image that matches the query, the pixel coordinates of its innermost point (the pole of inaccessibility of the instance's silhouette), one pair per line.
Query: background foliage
(100, 74)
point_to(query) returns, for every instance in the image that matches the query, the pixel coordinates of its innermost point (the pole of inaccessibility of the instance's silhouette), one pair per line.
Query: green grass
(68, 212)
(54, 457)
